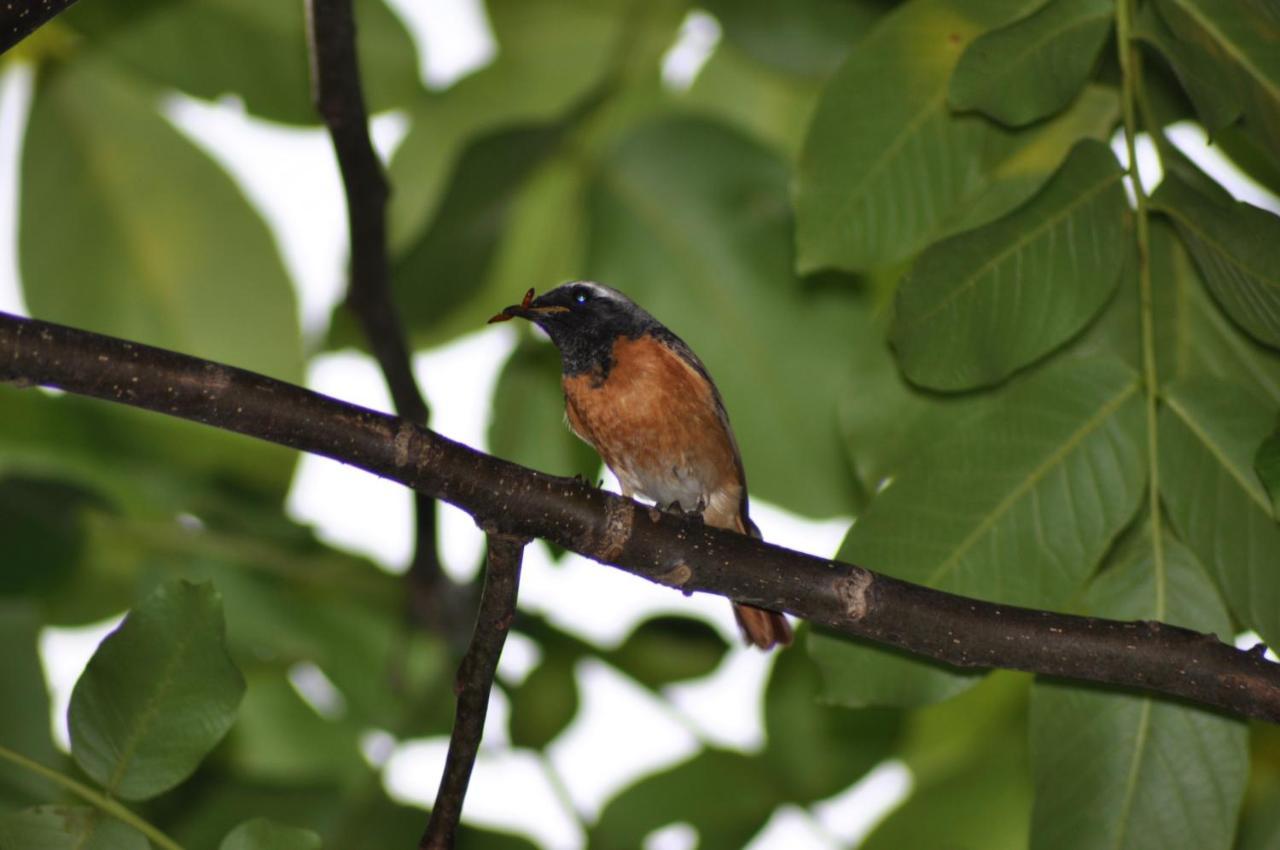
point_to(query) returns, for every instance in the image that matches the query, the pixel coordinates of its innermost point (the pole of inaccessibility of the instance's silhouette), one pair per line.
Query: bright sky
(621, 731)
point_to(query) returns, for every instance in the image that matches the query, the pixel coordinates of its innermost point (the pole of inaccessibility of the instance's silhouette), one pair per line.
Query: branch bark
(339, 98)
(20, 19)
(473, 684)
(675, 551)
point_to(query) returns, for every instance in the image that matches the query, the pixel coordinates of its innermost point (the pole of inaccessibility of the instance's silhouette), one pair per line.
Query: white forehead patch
(599, 289)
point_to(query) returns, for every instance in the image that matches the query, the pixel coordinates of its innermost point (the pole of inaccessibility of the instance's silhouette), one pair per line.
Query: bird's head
(582, 318)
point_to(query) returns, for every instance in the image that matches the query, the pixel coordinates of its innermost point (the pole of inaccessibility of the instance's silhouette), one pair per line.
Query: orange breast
(655, 422)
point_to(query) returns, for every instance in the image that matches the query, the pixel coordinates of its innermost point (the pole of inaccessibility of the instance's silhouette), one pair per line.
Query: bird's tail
(761, 627)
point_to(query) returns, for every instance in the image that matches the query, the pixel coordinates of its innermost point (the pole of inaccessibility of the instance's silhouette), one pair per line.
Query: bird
(638, 395)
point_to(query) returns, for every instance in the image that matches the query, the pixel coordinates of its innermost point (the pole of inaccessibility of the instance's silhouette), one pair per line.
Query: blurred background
(163, 178)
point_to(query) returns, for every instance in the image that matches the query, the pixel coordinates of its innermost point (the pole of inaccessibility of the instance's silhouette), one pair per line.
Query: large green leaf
(886, 166)
(1013, 499)
(981, 798)
(165, 250)
(743, 794)
(1122, 770)
(1237, 247)
(817, 750)
(802, 37)
(1209, 432)
(1242, 38)
(257, 51)
(982, 304)
(1209, 81)
(692, 221)
(42, 526)
(158, 694)
(264, 834)
(663, 650)
(1267, 464)
(1033, 67)
(67, 828)
(24, 712)
(546, 701)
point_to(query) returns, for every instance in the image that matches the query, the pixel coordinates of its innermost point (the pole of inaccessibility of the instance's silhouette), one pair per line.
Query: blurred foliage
(893, 232)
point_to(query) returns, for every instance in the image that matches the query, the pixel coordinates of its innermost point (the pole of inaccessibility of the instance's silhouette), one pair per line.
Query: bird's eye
(581, 298)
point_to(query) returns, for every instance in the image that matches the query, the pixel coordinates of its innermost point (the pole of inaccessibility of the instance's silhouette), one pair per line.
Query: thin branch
(20, 18)
(337, 92)
(675, 551)
(474, 681)
(100, 801)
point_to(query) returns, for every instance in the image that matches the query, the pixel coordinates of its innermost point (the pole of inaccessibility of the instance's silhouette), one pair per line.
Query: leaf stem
(101, 801)
(1131, 68)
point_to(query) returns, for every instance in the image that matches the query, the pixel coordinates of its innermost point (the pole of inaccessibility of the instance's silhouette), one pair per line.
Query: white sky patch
(727, 707)
(676, 836)
(454, 37)
(1192, 140)
(350, 508)
(621, 731)
(1251, 640)
(16, 84)
(792, 826)
(317, 690)
(852, 814)
(64, 653)
(1148, 162)
(698, 36)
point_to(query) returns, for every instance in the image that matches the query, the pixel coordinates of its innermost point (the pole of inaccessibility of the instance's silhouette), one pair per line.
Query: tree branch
(474, 681)
(672, 550)
(336, 90)
(21, 18)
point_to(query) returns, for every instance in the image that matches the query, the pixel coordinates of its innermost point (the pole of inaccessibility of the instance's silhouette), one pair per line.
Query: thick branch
(20, 18)
(335, 74)
(672, 550)
(474, 681)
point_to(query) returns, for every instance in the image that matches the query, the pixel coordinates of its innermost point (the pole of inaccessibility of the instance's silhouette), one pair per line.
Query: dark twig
(472, 685)
(20, 18)
(672, 550)
(335, 74)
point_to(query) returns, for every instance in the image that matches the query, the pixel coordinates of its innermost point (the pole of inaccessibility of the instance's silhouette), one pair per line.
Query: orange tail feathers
(762, 628)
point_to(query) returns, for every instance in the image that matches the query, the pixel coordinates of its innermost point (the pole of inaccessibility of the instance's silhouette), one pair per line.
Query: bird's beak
(525, 310)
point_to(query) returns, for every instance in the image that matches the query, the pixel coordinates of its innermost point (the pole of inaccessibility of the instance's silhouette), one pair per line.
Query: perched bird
(643, 400)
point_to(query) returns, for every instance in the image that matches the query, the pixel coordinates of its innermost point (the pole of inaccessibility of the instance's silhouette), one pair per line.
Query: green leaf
(692, 221)
(546, 701)
(1012, 498)
(42, 526)
(263, 834)
(165, 249)
(436, 278)
(1209, 432)
(153, 219)
(1267, 464)
(1032, 67)
(1240, 37)
(1237, 247)
(980, 305)
(258, 51)
(528, 415)
(1122, 770)
(67, 828)
(745, 794)
(280, 738)
(664, 650)
(817, 750)
(980, 800)
(802, 37)
(158, 694)
(771, 106)
(1210, 82)
(885, 167)
(24, 712)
